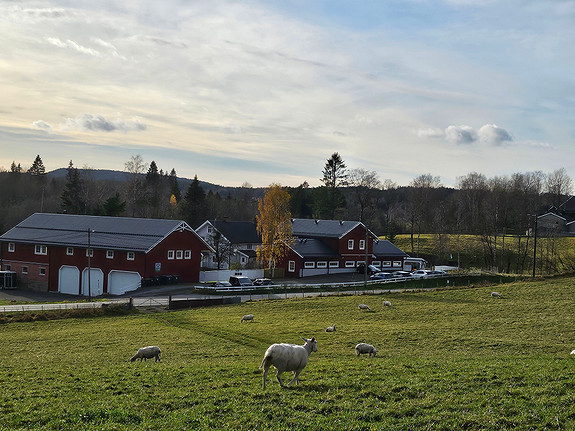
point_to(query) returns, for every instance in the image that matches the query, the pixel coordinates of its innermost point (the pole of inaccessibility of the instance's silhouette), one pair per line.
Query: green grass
(452, 359)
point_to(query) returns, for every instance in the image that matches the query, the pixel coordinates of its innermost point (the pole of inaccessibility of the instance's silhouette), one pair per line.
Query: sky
(264, 92)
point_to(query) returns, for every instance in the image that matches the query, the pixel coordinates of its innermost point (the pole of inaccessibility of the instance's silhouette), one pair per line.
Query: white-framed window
(70, 251)
(109, 254)
(89, 252)
(42, 271)
(386, 263)
(40, 249)
(243, 260)
(179, 254)
(249, 246)
(376, 263)
(309, 265)
(350, 264)
(397, 263)
(322, 264)
(362, 244)
(291, 266)
(131, 255)
(334, 264)
(350, 244)
(11, 247)
(171, 254)
(24, 270)
(188, 254)
(8, 267)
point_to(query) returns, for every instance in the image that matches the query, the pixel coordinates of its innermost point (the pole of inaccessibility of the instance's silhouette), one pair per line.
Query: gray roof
(322, 228)
(309, 247)
(114, 233)
(383, 248)
(238, 232)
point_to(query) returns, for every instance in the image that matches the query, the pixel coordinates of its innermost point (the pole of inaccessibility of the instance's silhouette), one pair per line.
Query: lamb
(496, 295)
(330, 328)
(287, 357)
(365, 348)
(147, 353)
(364, 307)
(247, 318)
(386, 304)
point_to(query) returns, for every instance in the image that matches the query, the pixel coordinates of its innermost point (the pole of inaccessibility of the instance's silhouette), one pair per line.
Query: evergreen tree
(73, 197)
(174, 187)
(114, 206)
(195, 204)
(37, 167)
(334, 177)
(15, 169)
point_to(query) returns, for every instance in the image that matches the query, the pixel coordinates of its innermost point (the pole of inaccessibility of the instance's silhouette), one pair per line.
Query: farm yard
(450, 359)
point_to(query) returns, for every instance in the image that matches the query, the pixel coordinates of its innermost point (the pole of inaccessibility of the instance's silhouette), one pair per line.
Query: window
(89, 252)
(386, 263)
(131, 255)
(42, 271)
(210, 229)
(376, 263)
(109, 254)
(70, 251)
(350, 244)
(362, 244)
(188, 254)
(334, 264)
(322, 264)
(248, 246)
(350, 264)
(309, 265)
(243, 260)
(41, 249)
(179, 254)
(24, 270)
(11, 247)
(397, 264)
(8, 267)
(291, 266)
(171, 254)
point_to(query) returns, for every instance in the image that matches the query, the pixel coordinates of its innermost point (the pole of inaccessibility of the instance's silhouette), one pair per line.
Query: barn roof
(383, 248)
(322, 228)
(310, 247)
(238, 232)
(114, 233)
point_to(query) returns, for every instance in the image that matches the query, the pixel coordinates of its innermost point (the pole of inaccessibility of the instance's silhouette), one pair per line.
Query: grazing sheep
(496, 295)
(364, 307)
(573, 352)
(330, 328)
(365, 348)
(247, 318)
(147, 353)
(386, 304)
(288, 357)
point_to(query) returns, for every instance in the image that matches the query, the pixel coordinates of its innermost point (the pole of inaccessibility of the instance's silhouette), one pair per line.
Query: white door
(96, 286)
(69, 280)
(120, 282)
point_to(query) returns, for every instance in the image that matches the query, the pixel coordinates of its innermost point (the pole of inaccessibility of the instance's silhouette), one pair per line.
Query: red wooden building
(92, 255)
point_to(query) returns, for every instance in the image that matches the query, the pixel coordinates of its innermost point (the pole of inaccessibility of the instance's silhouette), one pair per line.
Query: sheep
(365, 348)
(330, 328)
(364, 307)
(287, 357)
(573, 352)
(147, 353)
(386, 304)
(247, 318)
(496, 295)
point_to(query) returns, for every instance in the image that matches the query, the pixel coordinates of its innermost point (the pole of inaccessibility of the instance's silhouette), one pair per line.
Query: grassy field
(451, 359)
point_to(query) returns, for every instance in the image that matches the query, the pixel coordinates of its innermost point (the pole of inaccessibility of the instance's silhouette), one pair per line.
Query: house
(235, 243)
(336, 246)
(92, 255)
(558, 221)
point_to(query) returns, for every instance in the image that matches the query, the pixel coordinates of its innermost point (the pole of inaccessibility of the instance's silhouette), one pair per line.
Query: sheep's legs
(266, 369)
(279, 377)
(295, 377)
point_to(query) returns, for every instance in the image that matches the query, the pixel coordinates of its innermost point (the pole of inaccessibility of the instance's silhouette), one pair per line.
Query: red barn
(92, 255)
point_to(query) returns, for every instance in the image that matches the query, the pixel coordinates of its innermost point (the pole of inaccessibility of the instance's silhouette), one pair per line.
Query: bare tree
(559, 185)
(135, 167)
(365, 185)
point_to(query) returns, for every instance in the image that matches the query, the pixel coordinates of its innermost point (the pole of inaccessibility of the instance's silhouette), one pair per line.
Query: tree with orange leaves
(274, 225)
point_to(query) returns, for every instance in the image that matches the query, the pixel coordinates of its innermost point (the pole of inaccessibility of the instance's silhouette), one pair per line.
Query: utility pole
(534, 246)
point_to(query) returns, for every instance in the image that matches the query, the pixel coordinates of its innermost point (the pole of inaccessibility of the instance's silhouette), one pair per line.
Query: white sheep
(148, 352)
(330, 328)
(496, 294)
(288, 357)
(247, 318)
(364, 307)
(573, 352)
(365, 348)
(386, 304)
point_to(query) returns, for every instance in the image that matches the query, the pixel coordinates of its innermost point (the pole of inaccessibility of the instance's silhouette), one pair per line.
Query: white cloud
(42, 125)
(89, 122)
(71, 44)
(460, 135)
(494, 135)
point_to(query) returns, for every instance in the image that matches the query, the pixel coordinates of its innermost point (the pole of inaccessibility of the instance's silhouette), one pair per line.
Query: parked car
(221, 284)
(421, 273)
(262, 282)
(401, 274)
(438, 273)
(371, 269)
(240, 280)
(379, 276)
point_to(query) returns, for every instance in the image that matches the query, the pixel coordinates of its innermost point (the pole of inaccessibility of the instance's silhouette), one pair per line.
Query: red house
(92, 255)
(336, 246)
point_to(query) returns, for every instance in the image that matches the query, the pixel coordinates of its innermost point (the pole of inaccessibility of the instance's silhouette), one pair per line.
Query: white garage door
(96, 282)
(120, 282)
(69, 280)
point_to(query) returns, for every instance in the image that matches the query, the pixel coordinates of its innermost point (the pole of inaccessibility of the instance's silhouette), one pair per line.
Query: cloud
(89, 122)
(71, 44)
(494, 135)
(489, 134)
(460, 135)
(42, 125)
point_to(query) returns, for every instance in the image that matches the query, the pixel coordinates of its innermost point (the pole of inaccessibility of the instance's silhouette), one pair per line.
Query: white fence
(225, 274)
